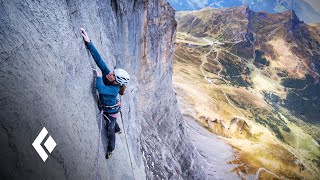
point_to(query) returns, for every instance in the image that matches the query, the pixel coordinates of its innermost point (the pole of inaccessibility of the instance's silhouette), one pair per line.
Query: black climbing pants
(111, 128)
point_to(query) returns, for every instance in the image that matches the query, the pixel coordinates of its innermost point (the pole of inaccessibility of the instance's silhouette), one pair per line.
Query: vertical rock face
(46, 81)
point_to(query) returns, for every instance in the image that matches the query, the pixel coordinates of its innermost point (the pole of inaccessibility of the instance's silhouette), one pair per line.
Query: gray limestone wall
(46, 81)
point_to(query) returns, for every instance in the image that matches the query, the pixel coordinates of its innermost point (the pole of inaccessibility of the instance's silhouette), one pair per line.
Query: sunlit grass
(202, 99)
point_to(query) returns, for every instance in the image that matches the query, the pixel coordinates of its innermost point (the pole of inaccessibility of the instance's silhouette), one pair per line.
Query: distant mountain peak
(306, 10)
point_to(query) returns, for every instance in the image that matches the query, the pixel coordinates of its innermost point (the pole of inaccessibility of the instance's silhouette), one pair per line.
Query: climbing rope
(125, 135)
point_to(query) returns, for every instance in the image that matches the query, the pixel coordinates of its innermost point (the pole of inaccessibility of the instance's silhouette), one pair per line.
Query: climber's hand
(118, 103)
(84, 35)
(96, 73)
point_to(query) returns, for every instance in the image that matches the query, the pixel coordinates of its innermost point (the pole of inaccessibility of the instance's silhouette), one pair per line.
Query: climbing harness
(108, 107)
(107, 117)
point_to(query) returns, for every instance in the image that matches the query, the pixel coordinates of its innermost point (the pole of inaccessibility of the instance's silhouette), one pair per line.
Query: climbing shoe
(108, 155)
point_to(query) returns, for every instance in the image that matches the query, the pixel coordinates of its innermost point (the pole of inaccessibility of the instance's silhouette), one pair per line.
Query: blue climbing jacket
(107, 91)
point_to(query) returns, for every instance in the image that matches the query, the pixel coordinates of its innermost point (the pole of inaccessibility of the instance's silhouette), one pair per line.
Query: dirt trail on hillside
(204, 61)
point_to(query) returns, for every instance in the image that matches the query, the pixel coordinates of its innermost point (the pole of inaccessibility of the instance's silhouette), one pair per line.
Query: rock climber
(109, 85)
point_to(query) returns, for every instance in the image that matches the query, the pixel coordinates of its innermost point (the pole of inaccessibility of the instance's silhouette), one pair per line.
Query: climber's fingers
(96, 72)
(83, 31)
(84, 35)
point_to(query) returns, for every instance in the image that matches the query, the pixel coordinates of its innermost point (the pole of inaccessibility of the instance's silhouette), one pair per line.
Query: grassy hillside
(252, 88)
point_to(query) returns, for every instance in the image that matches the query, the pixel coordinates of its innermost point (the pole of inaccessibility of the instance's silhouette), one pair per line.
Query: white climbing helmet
(122, 76)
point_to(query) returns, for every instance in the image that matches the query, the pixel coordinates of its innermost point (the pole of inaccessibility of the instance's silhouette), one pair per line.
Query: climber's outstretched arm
(95, 54)
(97, 58)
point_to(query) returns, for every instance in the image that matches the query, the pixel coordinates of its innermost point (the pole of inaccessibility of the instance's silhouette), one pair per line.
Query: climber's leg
(117, 128)
(110, 128)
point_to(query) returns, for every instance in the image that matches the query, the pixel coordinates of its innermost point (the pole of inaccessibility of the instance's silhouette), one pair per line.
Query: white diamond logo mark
(50, 144)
